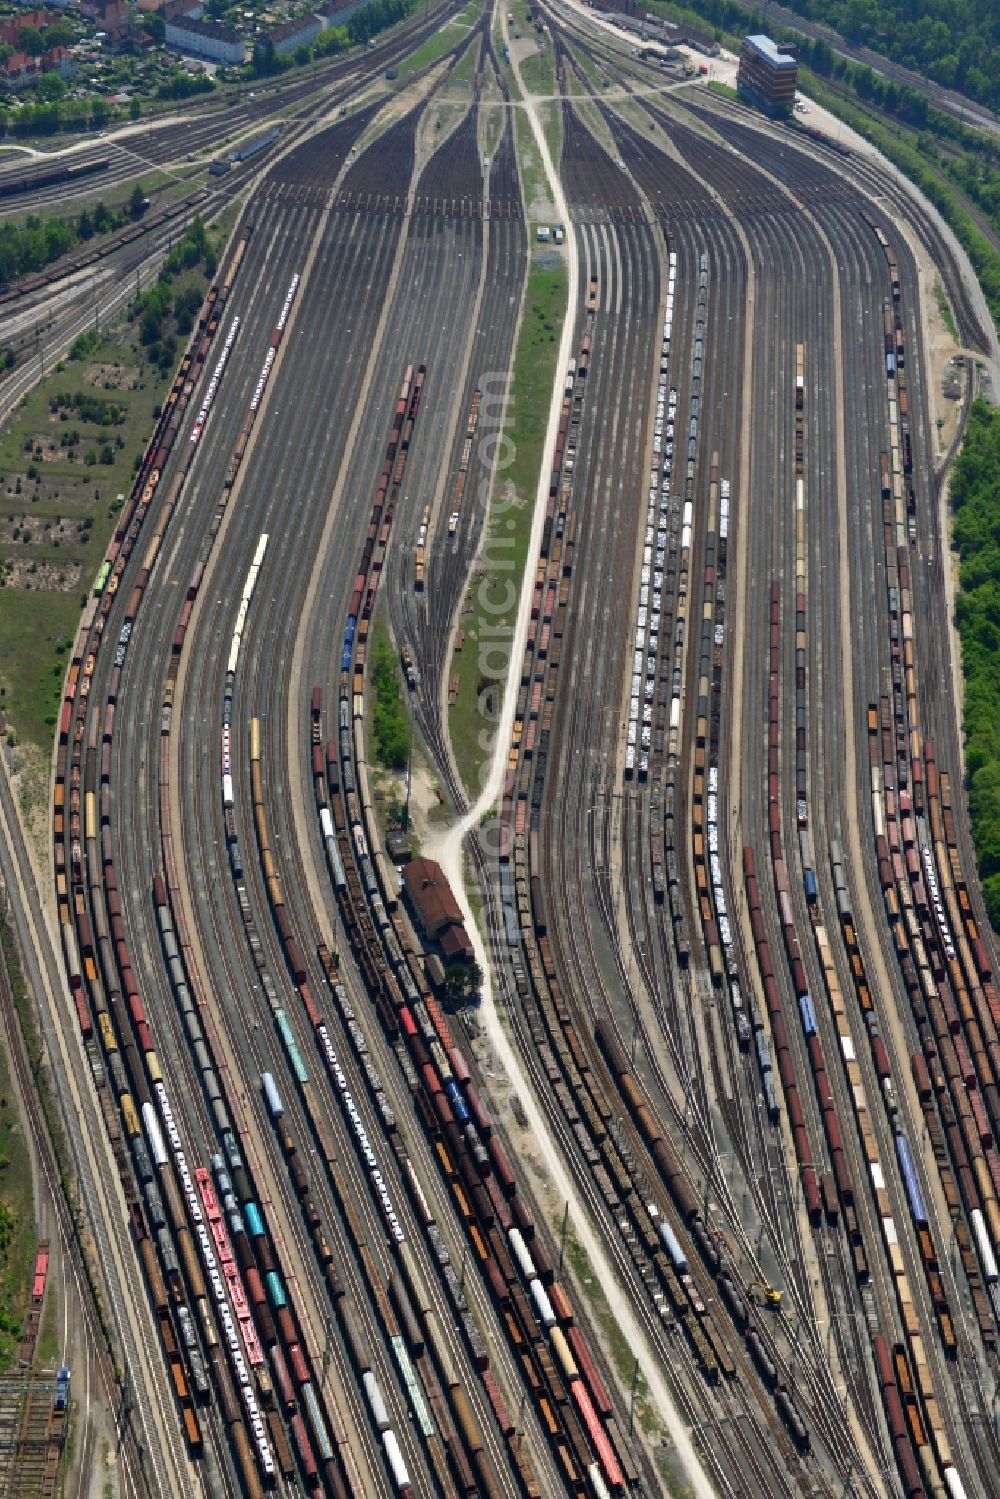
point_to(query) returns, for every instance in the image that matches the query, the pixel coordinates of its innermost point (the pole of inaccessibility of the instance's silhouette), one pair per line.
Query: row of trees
(31, 246)
(360, 28)
(975, 493)
(166, 315)
(53, 116)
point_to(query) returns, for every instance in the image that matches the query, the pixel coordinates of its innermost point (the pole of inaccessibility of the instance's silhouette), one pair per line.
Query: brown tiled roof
(455, 942)
(431, 895)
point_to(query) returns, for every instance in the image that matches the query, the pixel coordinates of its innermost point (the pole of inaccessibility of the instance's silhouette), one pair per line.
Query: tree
(50, 88)
(85, 226)
(264, 61)
(135, 109)
(463, 983)
(154, 26)
(975, 494)
(138, 202)
(31, 41)
(59, 34)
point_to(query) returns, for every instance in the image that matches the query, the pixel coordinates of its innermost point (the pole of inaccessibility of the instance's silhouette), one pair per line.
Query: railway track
(606, 919)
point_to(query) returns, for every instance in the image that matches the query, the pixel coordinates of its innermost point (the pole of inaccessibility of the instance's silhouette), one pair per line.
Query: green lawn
(447, 37)
(493, 122)
(551, 118)
(61, 472)
(464, 70)
(534, 183)
(508, 527)
(538, 73)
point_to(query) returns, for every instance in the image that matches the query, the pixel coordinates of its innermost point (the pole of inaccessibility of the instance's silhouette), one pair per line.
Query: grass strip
(490, 611)
(390, 719)
(440, 42)
(624, 1360)
(944, 308)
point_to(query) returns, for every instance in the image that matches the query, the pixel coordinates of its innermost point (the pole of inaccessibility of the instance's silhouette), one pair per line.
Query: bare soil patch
(40, 530)
(112, 376)
(42, 577)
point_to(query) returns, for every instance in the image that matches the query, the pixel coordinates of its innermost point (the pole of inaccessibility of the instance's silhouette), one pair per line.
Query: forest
(975, 495)
(954, 42)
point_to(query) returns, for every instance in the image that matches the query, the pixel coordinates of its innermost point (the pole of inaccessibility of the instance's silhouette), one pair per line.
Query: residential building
(294, 34)
(339, 12)
(218, 44)
(19, 70)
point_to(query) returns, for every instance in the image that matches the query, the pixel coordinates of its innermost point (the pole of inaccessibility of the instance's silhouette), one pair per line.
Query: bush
(83, 346)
